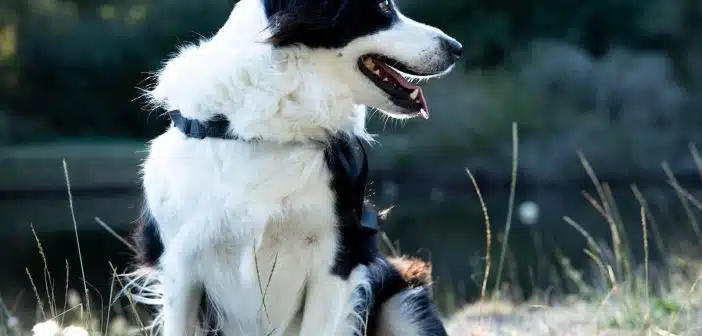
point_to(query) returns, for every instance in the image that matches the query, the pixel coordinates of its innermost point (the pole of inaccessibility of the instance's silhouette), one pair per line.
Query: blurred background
(618, 80)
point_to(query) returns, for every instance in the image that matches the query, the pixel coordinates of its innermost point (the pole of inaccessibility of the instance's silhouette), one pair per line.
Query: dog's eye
(385, 6)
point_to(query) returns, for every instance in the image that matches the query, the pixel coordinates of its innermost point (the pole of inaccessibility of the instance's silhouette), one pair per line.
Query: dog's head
(368, 46)
(297, 69)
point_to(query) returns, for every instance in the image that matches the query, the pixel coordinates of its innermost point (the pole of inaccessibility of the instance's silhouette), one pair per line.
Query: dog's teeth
(414, 94)
(424, 113)
(385, 79)
(377, 73)
(417, 101)
(368, 63)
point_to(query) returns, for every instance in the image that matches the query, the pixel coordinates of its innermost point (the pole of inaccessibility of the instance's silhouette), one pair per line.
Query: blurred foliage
(77, 65)
(73, 68)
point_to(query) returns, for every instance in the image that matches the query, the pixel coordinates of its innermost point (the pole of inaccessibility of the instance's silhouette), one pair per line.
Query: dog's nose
(453, 47)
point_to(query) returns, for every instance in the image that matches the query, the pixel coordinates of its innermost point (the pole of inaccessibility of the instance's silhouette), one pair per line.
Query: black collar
(217, 127)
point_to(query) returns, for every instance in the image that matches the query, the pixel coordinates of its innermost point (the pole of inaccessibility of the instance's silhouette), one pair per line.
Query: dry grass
(76, 317)
(625, 301)
(618, 311)
(622, 303)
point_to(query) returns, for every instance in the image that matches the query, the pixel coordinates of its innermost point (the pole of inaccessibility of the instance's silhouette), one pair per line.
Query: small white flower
(73, 298)
(47, 328)
(528, 212)
(75, 331)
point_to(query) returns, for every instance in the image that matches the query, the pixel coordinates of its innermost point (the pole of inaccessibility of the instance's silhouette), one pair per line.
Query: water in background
(441, 225)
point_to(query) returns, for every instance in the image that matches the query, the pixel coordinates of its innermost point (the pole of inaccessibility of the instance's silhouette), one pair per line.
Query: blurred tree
(494, 28)
(72, 68)
(78, 64)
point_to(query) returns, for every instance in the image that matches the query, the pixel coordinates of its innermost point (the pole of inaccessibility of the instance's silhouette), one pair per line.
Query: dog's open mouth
(389, 79)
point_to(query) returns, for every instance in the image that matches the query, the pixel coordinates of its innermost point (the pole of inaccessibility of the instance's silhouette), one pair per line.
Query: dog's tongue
(415, 92)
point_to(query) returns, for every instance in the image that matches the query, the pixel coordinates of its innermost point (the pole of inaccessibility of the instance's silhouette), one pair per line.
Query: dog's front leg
(326, 305)
(182, 292)
(181, 307)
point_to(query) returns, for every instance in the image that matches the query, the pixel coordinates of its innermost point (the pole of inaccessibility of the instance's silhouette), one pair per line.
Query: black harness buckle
(369, 219)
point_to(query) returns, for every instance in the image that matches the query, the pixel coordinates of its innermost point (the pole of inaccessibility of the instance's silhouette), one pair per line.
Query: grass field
(627, 298)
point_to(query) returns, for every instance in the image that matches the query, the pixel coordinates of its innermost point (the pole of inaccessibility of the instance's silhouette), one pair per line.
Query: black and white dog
(254, 195)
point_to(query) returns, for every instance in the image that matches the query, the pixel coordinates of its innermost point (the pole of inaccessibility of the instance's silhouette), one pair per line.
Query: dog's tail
(395, 299)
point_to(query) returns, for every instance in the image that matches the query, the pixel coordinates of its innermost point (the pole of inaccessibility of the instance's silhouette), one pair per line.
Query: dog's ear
(284, 26)
(292, 20)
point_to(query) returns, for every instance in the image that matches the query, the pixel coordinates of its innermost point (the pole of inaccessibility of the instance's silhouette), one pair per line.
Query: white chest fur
(244, 221)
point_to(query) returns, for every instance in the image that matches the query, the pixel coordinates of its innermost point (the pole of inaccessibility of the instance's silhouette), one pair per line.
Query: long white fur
(398, 316)
(253, 224)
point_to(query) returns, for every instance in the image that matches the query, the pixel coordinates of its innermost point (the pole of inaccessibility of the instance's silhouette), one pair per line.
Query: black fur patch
(357, 231)
(326, 24)
(207, 317)
(358, 244)
(147, 239)
(386, 282)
